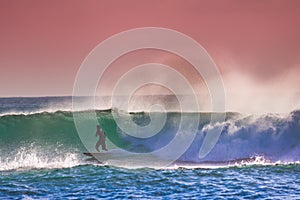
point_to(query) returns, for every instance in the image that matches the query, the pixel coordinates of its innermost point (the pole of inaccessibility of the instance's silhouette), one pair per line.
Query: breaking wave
(50, 139)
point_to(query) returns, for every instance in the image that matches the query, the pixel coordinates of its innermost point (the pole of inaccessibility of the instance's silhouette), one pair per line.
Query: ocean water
(41, 155)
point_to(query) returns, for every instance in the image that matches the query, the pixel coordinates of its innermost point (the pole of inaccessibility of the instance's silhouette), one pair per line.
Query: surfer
(101, 140)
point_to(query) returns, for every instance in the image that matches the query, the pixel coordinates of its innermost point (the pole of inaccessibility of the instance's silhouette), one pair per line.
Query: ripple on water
(112, 182)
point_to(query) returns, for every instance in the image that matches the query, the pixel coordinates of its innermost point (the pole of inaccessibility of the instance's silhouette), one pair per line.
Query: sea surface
(41, 154)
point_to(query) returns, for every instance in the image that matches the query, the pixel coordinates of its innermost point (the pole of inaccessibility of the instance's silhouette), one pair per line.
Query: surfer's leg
(97, 146)
(104, 146)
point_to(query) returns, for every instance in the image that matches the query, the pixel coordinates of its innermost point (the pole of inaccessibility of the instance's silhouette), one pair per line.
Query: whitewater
(41, 155)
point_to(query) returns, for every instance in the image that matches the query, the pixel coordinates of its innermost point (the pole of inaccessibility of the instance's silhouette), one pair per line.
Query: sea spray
(34, 157)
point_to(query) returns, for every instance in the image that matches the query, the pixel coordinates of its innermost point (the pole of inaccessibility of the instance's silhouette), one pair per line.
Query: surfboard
(104, 155)
(109, 153)
(98, 157)
(93, 154)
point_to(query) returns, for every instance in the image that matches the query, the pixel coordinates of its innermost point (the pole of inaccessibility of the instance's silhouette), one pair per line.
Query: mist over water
(250, 103)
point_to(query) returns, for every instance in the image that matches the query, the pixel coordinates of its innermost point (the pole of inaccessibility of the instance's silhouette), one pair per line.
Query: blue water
(41, 156)
(89, 181)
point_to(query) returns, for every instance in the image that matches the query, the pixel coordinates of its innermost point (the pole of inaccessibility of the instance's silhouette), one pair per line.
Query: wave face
(274, 137)
(42, 128)
(50, 138)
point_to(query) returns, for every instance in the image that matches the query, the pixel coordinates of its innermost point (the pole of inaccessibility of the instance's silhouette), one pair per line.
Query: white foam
(255, 161)
(32, 159)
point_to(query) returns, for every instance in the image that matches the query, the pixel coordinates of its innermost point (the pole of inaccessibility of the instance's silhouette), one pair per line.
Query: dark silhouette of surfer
(100, 133)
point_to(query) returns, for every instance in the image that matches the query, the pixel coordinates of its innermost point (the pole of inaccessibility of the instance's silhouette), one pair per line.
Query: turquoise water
(41, 156)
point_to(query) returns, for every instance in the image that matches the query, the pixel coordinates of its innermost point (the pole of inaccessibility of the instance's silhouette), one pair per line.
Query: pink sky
(254, 43)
